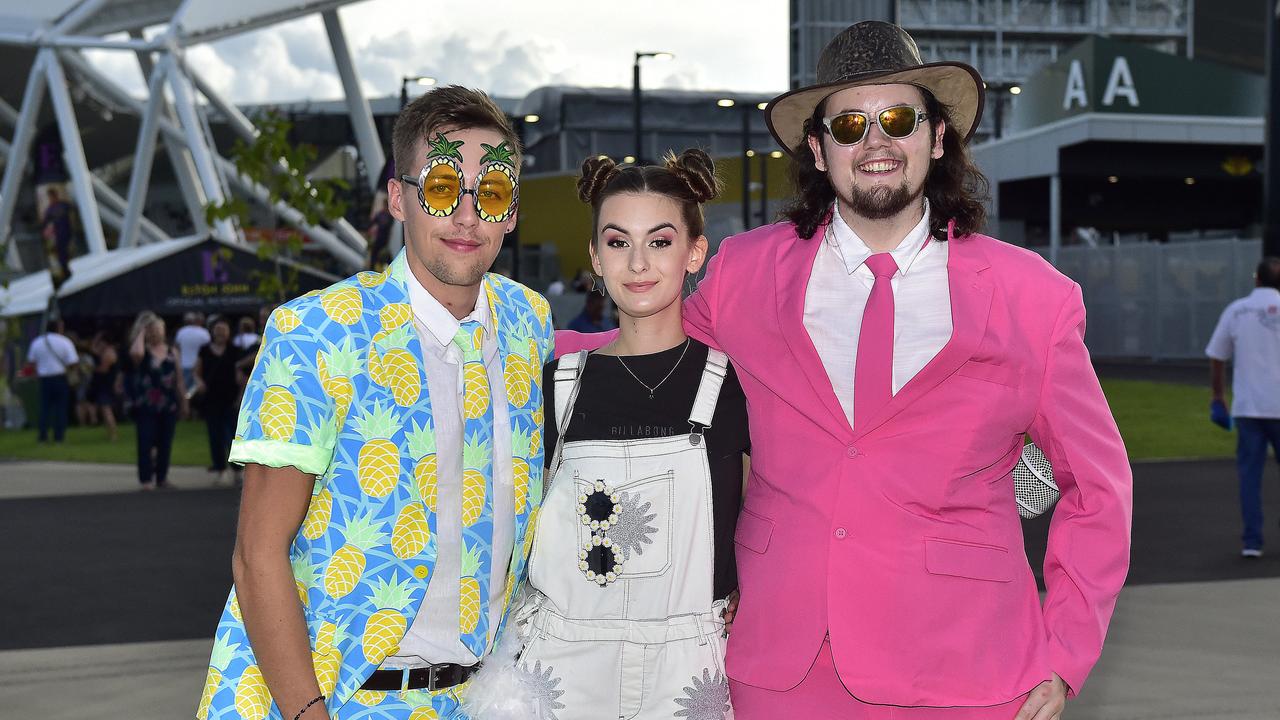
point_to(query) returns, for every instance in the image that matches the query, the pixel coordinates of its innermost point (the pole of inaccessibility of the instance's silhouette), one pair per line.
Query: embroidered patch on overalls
(706, 699)
(543, 686)
(632, 531)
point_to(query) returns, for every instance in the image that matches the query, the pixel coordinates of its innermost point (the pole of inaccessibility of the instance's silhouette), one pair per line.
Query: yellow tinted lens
(898, 122)
(493, 194)
(441, 188)
(848, 129)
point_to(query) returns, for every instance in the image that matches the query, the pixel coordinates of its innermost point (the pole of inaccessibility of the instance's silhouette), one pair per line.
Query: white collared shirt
(433, 636)
(1248, 334)
(837, 294)
(53, 354)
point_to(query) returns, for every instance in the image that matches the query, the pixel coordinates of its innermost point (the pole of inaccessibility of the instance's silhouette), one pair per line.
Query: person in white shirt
(190, 338)
(1248, 335)
(52, 354)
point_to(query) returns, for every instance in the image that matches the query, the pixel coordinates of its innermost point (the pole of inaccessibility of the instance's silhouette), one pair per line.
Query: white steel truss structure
(172, 114)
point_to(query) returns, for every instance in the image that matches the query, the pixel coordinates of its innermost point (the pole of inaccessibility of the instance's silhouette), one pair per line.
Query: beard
(882, 202)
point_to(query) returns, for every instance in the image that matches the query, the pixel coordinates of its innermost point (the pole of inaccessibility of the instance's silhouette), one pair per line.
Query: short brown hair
(451, 106)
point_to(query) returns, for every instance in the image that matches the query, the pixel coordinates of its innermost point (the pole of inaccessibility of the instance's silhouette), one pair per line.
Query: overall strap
(568, 380)
(568, 368)
(704, 405)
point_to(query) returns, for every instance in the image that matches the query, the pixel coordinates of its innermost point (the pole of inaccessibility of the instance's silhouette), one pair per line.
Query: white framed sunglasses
(898, 122)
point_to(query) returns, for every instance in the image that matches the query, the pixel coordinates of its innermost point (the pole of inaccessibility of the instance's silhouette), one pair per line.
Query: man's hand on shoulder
(1046, 702)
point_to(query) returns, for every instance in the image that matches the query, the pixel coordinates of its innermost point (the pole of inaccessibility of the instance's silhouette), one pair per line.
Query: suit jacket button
(841, 533)
(421, 572)
(852, 451)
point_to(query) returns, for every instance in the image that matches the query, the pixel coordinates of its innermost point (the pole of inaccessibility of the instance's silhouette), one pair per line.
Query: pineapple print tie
(477, 491)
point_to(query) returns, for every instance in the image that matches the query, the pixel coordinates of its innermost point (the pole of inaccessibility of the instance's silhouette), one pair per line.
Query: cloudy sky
(507, 47)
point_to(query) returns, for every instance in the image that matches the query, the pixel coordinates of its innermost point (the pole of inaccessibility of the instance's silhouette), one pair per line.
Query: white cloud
(505, 47)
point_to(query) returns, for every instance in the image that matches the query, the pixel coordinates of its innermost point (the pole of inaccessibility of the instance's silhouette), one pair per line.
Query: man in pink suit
(893, 360)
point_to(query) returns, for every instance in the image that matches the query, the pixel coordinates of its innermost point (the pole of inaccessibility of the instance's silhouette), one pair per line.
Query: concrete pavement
(1203, 647)
(1183, 651)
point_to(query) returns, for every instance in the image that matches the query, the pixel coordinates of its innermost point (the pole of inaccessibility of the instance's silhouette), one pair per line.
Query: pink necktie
(873, 373)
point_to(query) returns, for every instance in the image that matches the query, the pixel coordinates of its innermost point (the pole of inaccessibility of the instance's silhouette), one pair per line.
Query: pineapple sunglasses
(441, 185)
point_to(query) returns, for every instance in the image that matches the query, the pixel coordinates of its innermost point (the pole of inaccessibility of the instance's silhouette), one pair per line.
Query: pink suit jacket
(900, 537)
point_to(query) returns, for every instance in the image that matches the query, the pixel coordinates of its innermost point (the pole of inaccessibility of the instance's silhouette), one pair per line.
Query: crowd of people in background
(150, 377)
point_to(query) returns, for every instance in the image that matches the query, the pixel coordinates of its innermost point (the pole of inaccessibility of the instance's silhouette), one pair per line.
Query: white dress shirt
(189, 339)
(1248, 334)
(53, 354)
(433, 636)
(839, 286)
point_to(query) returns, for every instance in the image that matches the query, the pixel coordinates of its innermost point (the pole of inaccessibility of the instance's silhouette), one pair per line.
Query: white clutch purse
(1033, 483)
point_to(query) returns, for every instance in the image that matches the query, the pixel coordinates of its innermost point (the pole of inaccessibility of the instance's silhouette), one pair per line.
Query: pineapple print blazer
(338, 391)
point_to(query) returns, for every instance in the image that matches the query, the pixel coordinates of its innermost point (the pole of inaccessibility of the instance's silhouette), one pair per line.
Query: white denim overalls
(642, 639)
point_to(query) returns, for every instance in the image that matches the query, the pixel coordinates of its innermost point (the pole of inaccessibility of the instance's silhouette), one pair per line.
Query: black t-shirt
(612, 405)
(222, 391)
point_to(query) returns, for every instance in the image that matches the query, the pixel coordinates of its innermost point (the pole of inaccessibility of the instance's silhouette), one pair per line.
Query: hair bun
(697, 171)
(596, 173)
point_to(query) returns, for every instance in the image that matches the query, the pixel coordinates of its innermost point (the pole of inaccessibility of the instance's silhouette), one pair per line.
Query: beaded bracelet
(316, 699)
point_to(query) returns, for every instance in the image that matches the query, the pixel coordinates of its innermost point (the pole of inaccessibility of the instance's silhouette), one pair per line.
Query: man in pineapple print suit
(391, 434)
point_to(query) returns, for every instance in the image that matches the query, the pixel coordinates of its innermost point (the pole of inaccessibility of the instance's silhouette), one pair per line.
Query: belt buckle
(433, 677)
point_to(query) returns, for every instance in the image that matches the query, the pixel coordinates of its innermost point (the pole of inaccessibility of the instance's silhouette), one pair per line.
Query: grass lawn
(190, 445)
(1166, 420)
(1157, 420)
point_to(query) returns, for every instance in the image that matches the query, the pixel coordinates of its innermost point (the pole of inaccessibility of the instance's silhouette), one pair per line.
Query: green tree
(277, 164)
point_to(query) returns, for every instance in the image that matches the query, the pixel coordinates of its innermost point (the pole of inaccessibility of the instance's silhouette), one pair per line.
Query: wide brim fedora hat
(877, 53)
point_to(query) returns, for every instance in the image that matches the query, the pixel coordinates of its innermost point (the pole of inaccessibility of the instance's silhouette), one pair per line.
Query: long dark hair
(955, 187)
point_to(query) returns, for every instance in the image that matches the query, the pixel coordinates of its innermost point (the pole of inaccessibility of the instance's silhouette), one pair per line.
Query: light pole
(521, 125)
(747, 153)
(1003, 93)
(764, 184)
(1271, 146)
(635, 96)
(404, 86)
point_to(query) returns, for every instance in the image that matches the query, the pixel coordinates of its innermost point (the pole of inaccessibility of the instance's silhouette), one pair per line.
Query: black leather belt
(432, 677)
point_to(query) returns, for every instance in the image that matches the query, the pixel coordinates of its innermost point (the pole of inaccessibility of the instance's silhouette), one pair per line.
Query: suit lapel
(794, 263)
(970, 306)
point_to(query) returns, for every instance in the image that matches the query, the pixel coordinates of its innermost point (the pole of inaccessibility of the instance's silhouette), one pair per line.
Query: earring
(690, 283)
(597, 284)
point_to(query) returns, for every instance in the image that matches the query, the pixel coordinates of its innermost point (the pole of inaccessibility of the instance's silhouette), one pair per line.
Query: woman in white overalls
(633, 564)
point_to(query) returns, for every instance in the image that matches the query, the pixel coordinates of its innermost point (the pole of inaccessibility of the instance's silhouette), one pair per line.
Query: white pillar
(357, 105)
(245, 128)
(1055, 217)
(349, 257)
(8, 113)
(73, 154)
(76, 17)
(19, 151)
(183, 168)
(202, 154)
(110, 199)
(144, 154)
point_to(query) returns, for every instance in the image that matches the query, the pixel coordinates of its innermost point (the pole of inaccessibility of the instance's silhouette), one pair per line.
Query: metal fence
(1158, 301)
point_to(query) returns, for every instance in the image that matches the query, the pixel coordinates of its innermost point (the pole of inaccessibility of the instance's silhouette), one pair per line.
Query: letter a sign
(1120, 84)
(1075, 87)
